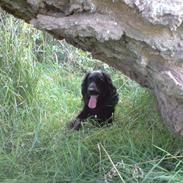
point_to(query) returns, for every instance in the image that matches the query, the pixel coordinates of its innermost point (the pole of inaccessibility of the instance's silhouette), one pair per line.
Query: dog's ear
(110, 87)
(84, 84)
(107, 79)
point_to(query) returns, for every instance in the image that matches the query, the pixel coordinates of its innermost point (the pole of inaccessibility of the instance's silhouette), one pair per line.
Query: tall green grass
(40, 82)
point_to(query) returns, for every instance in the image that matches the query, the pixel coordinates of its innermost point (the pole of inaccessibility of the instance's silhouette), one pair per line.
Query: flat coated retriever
(100, 98)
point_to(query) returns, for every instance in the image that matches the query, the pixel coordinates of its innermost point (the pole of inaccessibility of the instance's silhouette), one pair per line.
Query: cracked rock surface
(142, 38)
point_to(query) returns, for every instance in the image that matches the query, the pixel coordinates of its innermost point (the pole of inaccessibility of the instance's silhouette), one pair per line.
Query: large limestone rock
(142, 38)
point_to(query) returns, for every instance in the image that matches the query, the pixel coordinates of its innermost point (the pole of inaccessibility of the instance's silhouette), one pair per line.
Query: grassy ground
(40, 94)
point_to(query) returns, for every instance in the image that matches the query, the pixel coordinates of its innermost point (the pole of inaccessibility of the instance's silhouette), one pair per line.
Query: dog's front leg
(76, 124)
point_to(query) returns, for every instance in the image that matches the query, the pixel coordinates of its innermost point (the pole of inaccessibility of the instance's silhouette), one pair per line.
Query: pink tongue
(92, 102)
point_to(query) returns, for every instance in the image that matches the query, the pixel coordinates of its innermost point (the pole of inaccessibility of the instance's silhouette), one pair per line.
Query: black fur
(99, 84)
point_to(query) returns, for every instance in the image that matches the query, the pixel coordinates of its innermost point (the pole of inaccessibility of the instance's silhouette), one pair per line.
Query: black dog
(100, 98)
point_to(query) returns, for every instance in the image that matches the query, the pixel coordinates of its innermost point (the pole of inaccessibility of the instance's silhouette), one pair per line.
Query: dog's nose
(92, 89)
(92, 86)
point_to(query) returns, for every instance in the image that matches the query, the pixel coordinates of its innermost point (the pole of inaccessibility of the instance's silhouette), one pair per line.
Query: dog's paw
(75, 125)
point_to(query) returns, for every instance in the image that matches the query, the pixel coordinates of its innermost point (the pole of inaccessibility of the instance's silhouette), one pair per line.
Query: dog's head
(96, 88)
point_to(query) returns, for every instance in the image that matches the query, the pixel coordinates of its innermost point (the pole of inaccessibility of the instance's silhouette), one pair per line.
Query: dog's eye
(100, 79)
(90, 79)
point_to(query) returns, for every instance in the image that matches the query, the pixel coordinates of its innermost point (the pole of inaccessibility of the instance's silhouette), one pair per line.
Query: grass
(40, 82)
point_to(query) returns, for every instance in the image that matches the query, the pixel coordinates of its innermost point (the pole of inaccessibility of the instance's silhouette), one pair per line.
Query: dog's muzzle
(92, 89)
(93, 93)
